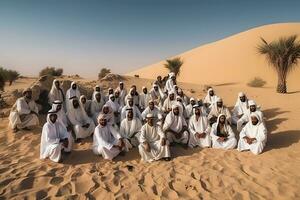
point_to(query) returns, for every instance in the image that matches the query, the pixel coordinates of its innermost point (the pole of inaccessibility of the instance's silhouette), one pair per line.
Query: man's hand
(147, 147)
(65, 142)
(163, 141)
(221, 139)
(69, 128)
(248, 140)
(178, 135)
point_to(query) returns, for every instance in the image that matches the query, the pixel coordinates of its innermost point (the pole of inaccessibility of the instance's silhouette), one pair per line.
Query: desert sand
(192, 174)
(235, 59)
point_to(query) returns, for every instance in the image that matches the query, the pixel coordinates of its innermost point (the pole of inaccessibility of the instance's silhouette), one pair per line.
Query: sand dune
(192, 174)
(233, 59)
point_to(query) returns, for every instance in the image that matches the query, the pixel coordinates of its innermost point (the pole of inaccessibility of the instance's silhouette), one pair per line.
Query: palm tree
(174, 65)
(283, 56)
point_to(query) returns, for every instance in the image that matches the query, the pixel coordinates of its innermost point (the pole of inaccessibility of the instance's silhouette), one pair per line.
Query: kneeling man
(253, 136)
(107, 141)
(55, 138)
(154, 145)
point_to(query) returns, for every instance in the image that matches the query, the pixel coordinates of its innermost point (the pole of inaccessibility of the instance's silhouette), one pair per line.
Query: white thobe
(259, 132)
(104, 140)
(144, 100)
(96, 108)
(199, 126)
(21, 116)
(246, 118)
(230, 143)
(153, 136)
(216, 111)
(239, 109)
(131, 130)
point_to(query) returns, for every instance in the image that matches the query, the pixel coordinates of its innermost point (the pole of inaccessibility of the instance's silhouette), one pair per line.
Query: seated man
(189, 107)
(54, 139)
(170, 100)
(56, 92)
(175, 126)
(222, 135)
(61, 115)
(210, 98)
(199, 129)
(246, 117)
(152, 109)
(86, 104)
(253, 136)
(217, 109)
(154, 145)
(157, 95)
(107, 141)
(83, 126)
(135, 109)
(130, 128)
(240, 107)
(24, 113)
(144, 99)
(96, 106)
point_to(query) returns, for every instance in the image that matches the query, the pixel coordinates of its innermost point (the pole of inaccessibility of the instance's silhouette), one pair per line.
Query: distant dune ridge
(233, 59)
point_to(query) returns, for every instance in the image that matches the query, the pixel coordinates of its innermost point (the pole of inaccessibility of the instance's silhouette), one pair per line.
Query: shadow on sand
(282, 139)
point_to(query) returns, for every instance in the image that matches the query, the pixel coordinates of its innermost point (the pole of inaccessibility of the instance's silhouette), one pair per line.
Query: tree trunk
(10, 82)
(281, 85)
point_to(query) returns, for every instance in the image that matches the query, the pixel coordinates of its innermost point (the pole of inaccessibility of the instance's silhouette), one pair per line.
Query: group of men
(119, 121)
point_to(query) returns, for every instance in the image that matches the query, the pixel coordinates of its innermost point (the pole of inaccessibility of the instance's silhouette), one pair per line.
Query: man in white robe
(123, 93)
(96, 106)
(24, 113)
(54, 138)
(189, 107)
(152, 109)
(130, 104)
(145, 97)
(210, 98)
(115, 108)
(72, 92)
(175, 126)
(61, 114)
(153, 143)
(110, 91)
(240, 108)
(253, 136)
(246, 117)
(169, 102)
(217, 109)
(107, 141)
(97, 88)
(157, 95)
(199, 129)
(170, 82)
(86, 105)
(118, 99)
(130, 128)
(109, 115)
(222, 135)
(83, 126)
(56, 92)
(134, 95)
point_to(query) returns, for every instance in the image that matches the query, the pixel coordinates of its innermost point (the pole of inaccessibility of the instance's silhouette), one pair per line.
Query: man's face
(243, 98)
(211, 93)
(150, 121)
(197, 111)
(83, 100)
(130, 102)
(193, 102)
(253, 108)
(176, 111)
(110, 91)
(53, 118)
(176, 88)
(121, 86)
(254, 120)
(145, 90)
(156, 88)
(222, 119)
(172, 96)
(117, 94)
(75, 104)
(28, 95)
(105, 110)
(159, 78)
(179, 100)
(132, 92)
(57, 84)
(98, 97)
(102, 122)
(112, 98)
(151, 105)
(220, 104)
(58, 107)
(97, 89)
(130, 114)
(74, 86)
(173, 78)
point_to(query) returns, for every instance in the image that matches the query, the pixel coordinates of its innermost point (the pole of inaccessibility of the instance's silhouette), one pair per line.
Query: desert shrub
(8, 75)
(103, 72)
(137, 76)
(2, 82)
(174, 65)
(256, 82)
(51, 71)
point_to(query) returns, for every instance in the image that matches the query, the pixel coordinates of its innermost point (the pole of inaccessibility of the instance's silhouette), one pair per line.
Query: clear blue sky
(84, 36)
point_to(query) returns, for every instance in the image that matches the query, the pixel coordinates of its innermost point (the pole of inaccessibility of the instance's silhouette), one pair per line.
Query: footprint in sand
(41, 194)
(56, 180)
(64, 190)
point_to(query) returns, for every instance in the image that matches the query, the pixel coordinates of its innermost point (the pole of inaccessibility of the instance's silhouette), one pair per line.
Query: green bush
(8, 75)
(103, 72)
(51, 71)
(256, 82)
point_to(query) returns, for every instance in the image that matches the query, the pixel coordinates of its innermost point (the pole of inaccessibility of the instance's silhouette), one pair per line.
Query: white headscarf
(131, 127)
(110, 118)
(113, 104)
(175, 122)
(73, 93)
(55, 93)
